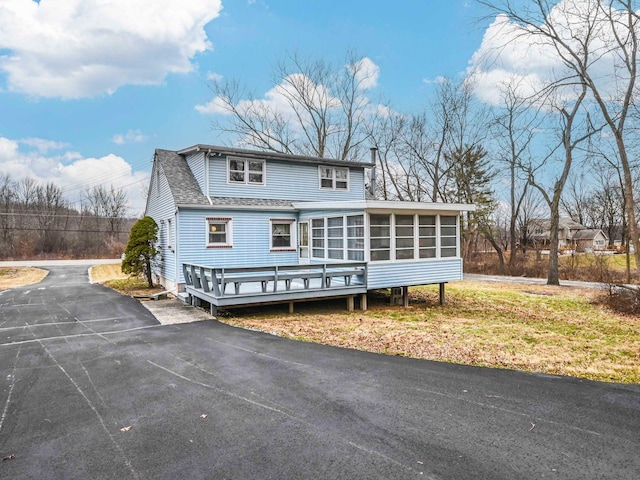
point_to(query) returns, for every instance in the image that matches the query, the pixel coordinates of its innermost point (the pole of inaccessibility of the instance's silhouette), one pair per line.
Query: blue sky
(89, 88)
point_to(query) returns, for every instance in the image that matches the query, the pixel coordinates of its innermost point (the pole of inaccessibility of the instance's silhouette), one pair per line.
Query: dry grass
(103, 273)
(12, 277)
(556, 330)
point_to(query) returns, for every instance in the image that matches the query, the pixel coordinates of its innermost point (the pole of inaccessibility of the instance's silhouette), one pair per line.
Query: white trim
(386, 206)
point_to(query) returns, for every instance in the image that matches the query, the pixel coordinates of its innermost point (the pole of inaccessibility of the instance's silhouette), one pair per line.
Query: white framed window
(317, 238)
(169, 234)
(219, 232)
(245, 171)
(335, 238)
(448, 236)
(355, 238)
(333, 178)
(282, 234)
(380, 236)
(427, 236)
(404, 237)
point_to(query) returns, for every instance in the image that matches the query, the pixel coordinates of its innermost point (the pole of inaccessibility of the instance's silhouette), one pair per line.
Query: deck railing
(274, 279)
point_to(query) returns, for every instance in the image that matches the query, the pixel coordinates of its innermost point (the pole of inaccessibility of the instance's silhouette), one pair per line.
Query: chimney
(372, 181)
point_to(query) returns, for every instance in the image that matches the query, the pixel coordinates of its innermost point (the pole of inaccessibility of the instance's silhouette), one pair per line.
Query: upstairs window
(245, 171)
(334, 178)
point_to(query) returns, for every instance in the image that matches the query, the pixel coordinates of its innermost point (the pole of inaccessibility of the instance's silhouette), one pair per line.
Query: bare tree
(8, 199)
(515, 126)
(596, 41)
(318, 109)
(107, 203)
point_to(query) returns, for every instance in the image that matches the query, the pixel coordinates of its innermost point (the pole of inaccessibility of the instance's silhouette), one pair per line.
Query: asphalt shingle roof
(183, 185)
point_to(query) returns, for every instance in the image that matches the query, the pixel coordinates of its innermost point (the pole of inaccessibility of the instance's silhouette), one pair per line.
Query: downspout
(372, 181)
(207, 164)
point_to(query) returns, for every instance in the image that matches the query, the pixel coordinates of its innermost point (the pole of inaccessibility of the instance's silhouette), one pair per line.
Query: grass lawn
(12, 277)
(111, 275)
(557, 330)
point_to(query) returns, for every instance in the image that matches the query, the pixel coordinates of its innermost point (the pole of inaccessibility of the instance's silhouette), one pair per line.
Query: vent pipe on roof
(372, 181)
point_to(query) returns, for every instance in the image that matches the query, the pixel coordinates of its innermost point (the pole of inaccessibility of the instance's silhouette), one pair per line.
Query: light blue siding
(404, 274)
(196, 164)
(284, 181)
(162, 208)
(251, 235)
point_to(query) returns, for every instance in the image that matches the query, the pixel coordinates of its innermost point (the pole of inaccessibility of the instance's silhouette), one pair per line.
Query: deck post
(405, 296)
(213, 310)
(350, 303)
(290, 307)
(442, 294)
(363, 302)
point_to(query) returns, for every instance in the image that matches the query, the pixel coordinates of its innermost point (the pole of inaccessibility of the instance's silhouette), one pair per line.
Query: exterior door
(303, 242)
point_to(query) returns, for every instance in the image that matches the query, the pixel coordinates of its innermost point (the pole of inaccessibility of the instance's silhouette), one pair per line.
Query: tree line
(563, 145)
(37, 220)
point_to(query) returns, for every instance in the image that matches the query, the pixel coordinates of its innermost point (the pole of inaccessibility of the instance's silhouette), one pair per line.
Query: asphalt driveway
(92, 386)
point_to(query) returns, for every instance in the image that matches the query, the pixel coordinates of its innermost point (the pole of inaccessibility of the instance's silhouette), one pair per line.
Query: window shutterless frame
(246, 171)
(219, 232)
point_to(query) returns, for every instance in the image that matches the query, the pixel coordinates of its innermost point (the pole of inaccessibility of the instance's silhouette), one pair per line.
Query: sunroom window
(404, 237)
(427, 236)
(355, 238)
(380, 241)
(448, 236)
(317, 238)
(335, 240)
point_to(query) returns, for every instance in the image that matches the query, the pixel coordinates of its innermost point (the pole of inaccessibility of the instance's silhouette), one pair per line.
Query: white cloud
(507, 56)
(77, 48)
(214, 77)
(366, 73)
(73, 172)
(132, 136)
(42, 145)
(438, 80)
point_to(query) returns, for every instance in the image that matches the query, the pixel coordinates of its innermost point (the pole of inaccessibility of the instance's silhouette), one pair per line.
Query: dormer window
(245, 171)
(334, 178)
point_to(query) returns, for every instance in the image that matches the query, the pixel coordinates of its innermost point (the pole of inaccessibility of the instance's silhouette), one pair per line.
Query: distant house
(571, 235)
(589, 240)
(244, 227)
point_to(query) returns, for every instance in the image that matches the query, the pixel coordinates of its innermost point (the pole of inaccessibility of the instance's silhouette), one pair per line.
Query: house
(571, 235)
(240, 227)
(590, 240)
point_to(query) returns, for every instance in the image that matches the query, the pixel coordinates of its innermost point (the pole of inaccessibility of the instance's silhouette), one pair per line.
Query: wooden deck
(234, 287)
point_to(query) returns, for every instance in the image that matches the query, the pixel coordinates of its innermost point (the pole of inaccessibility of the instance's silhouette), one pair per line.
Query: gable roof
(588, 234)
(265, 155)
(182, 183)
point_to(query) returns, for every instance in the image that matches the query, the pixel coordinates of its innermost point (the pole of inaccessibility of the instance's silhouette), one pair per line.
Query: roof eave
(272, 156)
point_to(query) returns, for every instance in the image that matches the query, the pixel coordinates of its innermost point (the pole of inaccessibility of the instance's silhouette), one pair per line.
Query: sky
(89, 88)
